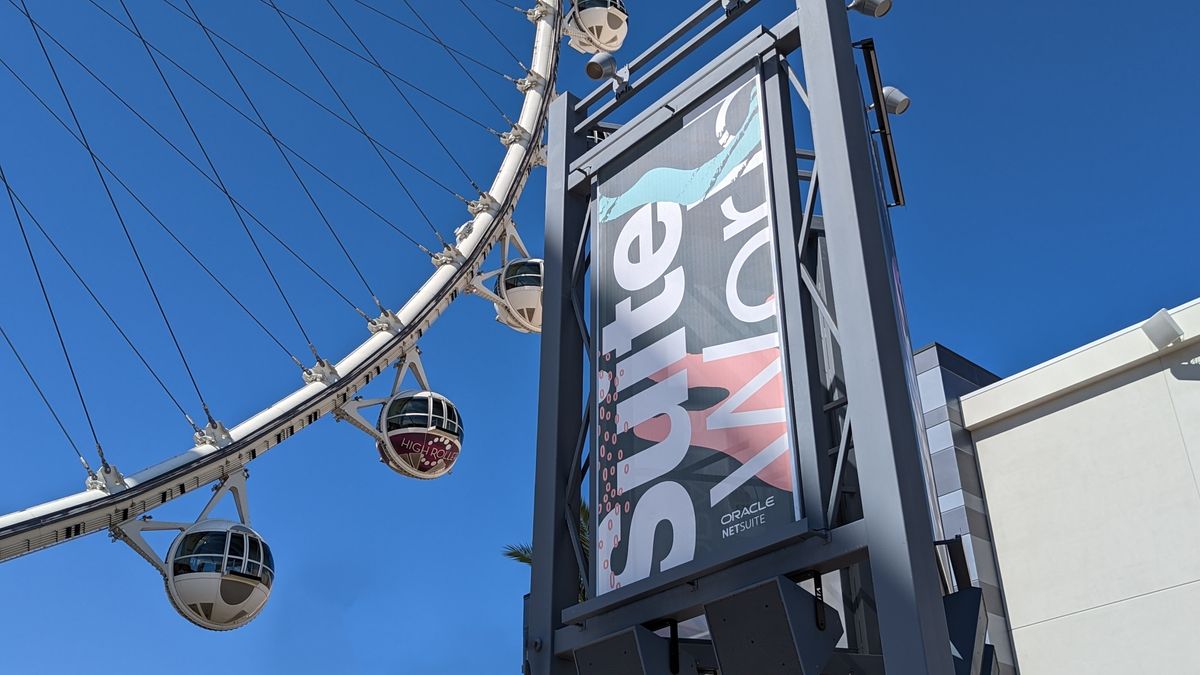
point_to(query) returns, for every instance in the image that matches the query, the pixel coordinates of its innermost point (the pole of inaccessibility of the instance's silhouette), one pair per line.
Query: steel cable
(292, 86)
(279, 240)
(162, 224)
(357, 122)
(287, 160)
(62, 342)
(491, 32)
(42, 394)
(410, 105)
(100, 304)
(454, 58)
(120, 217)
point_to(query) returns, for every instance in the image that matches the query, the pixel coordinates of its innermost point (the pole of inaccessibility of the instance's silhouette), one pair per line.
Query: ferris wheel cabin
(598, 25)
(520, 287)
(219, 574)
(424, 434)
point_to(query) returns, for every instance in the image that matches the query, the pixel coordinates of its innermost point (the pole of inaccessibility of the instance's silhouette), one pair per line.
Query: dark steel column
(799, 318)
(900, 540)
(555, 577)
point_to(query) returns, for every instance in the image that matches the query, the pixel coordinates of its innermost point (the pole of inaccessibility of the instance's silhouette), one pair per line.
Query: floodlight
(602, 66)
(895, 101)
(873, 8)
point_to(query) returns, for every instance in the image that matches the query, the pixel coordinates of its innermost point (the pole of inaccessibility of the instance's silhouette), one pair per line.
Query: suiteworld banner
(693, 451)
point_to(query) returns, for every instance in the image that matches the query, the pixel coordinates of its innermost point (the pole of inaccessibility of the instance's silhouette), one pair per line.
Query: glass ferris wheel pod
(516, 288)
(226, 590)
(597, 26)
(218, 573)
(419, 433)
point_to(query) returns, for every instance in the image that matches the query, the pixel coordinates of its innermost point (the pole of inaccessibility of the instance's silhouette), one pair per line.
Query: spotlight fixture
(603, 66)
(895, 101)
(873, 8)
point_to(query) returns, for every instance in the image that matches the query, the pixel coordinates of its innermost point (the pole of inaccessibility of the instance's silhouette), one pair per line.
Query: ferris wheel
(219, 573)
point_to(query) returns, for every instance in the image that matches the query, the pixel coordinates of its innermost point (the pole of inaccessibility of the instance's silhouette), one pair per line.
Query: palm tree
(523, 553)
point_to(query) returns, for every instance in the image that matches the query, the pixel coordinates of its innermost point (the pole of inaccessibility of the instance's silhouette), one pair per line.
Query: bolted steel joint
(450, 256)
(485, 204)
(517, 135)
(386, 322)
(214, 434)
(530, 82)
(323, 372)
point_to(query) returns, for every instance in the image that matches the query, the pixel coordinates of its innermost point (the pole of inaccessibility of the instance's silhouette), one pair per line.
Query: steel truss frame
(846, 351)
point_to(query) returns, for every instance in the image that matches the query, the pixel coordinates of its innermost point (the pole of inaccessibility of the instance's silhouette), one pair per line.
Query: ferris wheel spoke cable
(187, 366)
(413, 29)
(350, 111)
(454, 57)
(489, 30)
(166, 228)
(213, 92)
(279, 240)
(53, 413)
(62, 342)
(216, 174)
(391, 75)
(291, 166)
(412, 107)
(99, 303)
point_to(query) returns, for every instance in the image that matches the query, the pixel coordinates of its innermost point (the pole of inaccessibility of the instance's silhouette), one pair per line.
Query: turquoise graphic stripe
(688, 186)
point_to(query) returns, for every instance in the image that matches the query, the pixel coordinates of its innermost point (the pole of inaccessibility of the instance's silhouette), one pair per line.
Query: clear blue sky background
(1049, 160)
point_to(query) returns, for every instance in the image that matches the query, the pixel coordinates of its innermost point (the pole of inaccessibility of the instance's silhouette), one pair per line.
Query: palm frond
(522, 553)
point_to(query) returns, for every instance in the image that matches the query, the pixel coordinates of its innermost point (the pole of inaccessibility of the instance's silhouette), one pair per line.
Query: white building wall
(1091, 473)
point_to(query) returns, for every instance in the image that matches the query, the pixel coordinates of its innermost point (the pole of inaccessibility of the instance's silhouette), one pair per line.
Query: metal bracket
(234, 484)
(108, 480)
(351, 411)
(731, 6)
(541, 9)
(537, 155)
(214, 434)
(131, 533)
(479, 285)
(323, 372)
(387, 322)
(485, 204)
(449, 256)
(530, 82)
(517, 135)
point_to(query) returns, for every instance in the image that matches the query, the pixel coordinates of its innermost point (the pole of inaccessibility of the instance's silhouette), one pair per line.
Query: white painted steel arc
(91, 511)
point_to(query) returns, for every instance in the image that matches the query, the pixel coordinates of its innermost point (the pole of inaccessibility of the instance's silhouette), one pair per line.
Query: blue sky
(1048, 158)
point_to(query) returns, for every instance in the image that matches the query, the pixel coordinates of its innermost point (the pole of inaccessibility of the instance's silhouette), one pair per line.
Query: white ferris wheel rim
(93, 510)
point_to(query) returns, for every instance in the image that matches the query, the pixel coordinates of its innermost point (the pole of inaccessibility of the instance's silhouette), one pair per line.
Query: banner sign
(693, 452)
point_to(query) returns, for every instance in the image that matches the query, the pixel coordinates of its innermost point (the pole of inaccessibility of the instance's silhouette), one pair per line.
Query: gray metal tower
(726, 377)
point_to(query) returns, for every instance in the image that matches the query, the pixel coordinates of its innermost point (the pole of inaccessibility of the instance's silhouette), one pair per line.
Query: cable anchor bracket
(215, 434)
(323, 372)
(108, 480)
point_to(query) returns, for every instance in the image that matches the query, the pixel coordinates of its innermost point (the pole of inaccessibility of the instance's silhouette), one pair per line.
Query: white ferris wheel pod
(597, 26)
(218, 573)
(515, 290)
(221, 452)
